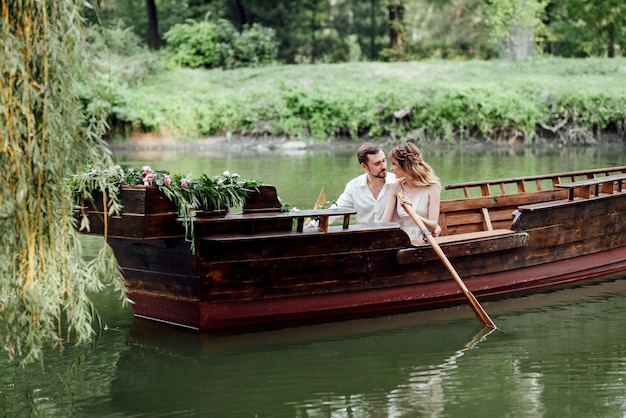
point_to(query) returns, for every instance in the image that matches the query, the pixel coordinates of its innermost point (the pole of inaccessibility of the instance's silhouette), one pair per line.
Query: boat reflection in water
(417, 364)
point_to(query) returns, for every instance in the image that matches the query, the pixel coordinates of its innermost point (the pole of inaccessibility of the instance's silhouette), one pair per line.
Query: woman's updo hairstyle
(409, 157)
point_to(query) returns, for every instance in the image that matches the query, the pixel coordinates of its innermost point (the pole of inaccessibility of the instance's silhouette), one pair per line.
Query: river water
(561, 353)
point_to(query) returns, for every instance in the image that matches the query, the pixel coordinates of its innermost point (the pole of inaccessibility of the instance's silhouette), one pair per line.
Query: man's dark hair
(367, 149)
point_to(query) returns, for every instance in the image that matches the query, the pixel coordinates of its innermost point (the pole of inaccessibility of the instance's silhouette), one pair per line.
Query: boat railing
(527, 184)
(491, 212)
(586, 189)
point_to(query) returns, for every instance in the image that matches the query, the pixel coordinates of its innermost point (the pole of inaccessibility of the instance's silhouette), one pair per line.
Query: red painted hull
(320, 308)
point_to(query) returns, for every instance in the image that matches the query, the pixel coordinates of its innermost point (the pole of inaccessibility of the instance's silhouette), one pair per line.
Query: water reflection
(313, 371)
(561, 354)
(554, 350)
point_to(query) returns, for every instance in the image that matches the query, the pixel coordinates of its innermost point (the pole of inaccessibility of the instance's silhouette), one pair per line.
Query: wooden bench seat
(300, 216)
(461, 245)
(388, 226)
(585, 189)
(472, 235)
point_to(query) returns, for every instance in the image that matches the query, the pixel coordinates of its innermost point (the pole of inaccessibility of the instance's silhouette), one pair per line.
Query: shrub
(256, 45)
(214, 45)
(191, 44)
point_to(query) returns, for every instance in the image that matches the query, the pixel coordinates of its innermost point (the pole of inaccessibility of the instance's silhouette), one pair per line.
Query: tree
(44, 131)
(583, 28)
(446, 29)
(154, 40)
(395, 13)
(513, 25)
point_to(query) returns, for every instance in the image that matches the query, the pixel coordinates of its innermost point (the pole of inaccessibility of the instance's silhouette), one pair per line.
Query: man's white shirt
(358, 196)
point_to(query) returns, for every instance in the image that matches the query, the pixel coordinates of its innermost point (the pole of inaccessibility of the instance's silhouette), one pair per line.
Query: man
(368, 192)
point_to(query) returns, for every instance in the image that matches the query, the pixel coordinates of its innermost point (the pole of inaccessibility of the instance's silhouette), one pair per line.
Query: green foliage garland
(188, 193)
(44, 130)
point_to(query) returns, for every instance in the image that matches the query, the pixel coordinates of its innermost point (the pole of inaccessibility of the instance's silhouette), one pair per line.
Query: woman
(418, 185)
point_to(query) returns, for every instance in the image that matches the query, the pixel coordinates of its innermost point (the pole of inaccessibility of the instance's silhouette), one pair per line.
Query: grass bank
(567, 101)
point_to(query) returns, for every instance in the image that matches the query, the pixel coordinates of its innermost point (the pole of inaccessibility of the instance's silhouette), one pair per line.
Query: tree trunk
(240, 12)
(396, 24)
(373, 13)
(611, 41)
(520, 44)
(314, 28)
(153, 25)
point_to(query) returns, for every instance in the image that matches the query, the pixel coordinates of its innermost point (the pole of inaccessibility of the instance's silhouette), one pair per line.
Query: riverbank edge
(155, 142)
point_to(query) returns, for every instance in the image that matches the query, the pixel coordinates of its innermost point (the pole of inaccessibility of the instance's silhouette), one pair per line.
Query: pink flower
(148, 179)
(146, 169)
(184, 183)
(167, 180)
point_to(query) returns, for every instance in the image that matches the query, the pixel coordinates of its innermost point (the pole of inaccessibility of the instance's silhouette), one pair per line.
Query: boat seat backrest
(487, 213)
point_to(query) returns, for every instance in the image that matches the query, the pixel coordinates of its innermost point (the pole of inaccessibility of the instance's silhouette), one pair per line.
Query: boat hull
(253, 270)
(316, 308)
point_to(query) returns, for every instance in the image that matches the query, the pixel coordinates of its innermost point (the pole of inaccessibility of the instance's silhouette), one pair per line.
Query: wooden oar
(480, 312)
(321, 200)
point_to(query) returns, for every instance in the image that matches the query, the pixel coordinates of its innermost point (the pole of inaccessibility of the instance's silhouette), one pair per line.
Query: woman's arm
(390, 207)
(434, 205)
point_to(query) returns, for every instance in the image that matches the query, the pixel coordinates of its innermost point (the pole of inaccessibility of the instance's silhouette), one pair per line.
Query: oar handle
(480, 312)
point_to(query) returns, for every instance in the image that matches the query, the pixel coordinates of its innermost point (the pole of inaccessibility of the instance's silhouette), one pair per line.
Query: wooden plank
(468, 215)
(572, 174)
(262, 199)
(498, 201)
(487, 219)
(261, 216)
(610, 188)
(470, 244)
(173, 285)
(593, 181)
(225, 248)
(559, 212)
(586, 188)
(138, 200)
(134, 226)
(464, 218)
(170, 256)
(289, 277)
(555, 178)
(332, 230)
(472, 236)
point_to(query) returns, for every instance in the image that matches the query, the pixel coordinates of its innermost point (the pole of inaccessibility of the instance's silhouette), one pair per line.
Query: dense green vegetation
(323, 31)
(45, 131)
(390, 68)
(564, 100)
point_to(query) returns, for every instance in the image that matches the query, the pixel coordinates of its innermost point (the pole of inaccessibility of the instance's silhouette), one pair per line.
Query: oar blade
(480, 312)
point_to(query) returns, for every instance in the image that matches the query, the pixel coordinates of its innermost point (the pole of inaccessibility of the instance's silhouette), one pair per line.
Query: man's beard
(381, 174)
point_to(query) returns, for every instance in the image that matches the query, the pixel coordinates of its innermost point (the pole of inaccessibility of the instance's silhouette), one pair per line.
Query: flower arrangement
(189, 194)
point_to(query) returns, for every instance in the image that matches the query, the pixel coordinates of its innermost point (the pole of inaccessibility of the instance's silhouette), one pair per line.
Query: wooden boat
(262, 268)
